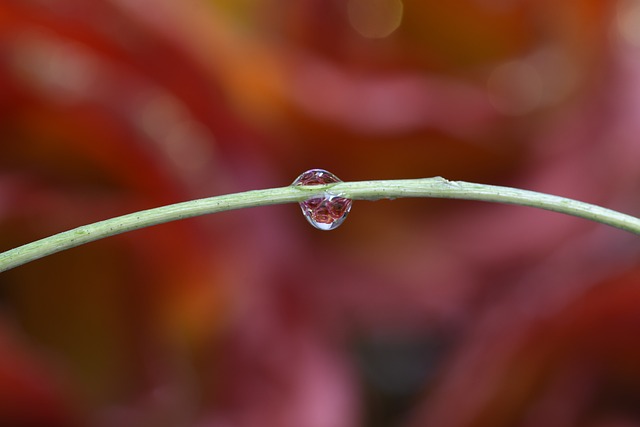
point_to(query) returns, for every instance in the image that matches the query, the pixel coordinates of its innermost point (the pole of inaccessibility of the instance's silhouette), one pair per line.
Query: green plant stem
(363, 190)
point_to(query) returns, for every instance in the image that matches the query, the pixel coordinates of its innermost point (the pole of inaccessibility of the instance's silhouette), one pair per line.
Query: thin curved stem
(436, 187)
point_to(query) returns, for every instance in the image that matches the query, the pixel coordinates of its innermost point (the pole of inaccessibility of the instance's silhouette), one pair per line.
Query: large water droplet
(327, 211)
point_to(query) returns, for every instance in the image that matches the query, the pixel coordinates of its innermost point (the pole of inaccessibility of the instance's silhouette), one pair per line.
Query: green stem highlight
(436, 187)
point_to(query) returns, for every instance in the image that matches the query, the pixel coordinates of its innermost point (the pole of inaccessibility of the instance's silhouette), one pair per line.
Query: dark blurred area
(414, 312)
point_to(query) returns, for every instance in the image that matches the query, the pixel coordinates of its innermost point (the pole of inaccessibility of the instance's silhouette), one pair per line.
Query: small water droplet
(324, 212)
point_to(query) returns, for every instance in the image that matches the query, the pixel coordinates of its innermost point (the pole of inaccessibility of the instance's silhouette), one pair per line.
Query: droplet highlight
(327, 211)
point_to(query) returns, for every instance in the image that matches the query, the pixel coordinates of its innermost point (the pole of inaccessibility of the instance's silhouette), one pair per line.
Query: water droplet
(328, 211)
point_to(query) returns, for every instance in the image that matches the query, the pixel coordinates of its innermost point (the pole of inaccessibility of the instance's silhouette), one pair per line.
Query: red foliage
(414, 312)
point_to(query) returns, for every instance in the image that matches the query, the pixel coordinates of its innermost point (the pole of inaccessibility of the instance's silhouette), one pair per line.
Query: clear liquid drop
(324, 212)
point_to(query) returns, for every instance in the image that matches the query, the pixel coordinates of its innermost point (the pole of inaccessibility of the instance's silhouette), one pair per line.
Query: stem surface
(436, 187)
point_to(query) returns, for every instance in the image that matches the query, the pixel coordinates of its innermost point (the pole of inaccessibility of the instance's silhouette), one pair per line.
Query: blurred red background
(414, 312)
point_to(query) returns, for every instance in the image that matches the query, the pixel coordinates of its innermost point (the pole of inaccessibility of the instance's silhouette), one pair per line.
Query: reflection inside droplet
(328, 211)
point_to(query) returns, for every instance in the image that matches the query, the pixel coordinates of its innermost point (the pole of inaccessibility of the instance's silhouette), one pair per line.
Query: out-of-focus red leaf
(31, 393)
(252, 318)
(562, 367)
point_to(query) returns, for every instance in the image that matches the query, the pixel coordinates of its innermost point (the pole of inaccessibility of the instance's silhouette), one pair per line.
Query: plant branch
(436, 187)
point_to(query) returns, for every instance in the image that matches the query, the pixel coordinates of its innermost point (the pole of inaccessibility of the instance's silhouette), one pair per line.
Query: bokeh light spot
(515, 88)
(629, 21)
(62, 70)
(184, 140)
(375, 18)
